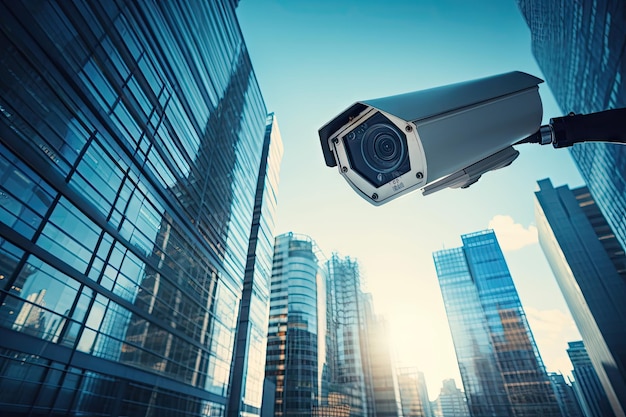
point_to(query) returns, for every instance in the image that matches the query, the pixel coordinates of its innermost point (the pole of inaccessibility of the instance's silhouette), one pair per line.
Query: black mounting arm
(561, 132)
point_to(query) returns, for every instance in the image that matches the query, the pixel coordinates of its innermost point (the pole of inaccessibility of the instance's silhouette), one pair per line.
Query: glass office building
(413, 393)
(248, 370)
(500, 366)
(451, 401)
(381, 378)
(587, 387)
(345, 374)
(296, 334)
(565, 396)
(579, 46)
(131, 137)
(589, 265)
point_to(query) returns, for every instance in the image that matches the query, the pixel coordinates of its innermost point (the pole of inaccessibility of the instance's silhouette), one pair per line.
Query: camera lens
(382, 148)
(377, 150)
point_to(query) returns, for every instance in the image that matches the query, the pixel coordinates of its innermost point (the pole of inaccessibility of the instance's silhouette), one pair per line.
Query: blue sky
(313, 60)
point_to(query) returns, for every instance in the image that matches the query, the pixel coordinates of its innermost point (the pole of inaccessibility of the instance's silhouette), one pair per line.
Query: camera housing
(432, 139)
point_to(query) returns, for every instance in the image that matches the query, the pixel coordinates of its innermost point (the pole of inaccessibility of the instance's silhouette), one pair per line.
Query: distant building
(383, 394)
(295, 347)
(500, 366)
(451, 401)
(413, 393)
(579, 46)
(587, 387)
(336, 405)
(590, 267)
(565, 396)
(345, 375)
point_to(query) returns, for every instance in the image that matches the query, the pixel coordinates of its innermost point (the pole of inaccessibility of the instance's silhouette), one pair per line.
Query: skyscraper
(579, 46)
(131, 139)
(248, 370)
(565, 396)
(590, 267)
(450, 402)
(413, 393)
(590, 393)
(296, 338)
(383, 393)
(344, 334)
(500, 365)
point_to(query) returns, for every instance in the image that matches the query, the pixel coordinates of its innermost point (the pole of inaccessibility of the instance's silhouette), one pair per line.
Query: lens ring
(382, 148)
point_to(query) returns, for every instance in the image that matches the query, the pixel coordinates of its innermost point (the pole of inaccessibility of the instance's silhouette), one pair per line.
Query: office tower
(565, 396)
(587, 387)
(335, 405)
(248, 370)
(383, 394)
(579, 46)
(131, 138)
(590, 267)
(500, 365)
(423, 393)
(413, 393)
(450, 402)
(344, 323)
(295, 341)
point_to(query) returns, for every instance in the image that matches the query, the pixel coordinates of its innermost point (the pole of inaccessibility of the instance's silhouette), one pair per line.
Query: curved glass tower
(295, 338)
(131, 137)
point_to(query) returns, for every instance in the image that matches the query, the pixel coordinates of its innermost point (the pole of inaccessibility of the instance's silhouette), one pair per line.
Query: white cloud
(512, 236)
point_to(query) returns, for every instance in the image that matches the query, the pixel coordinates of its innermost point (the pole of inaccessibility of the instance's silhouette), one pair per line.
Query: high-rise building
(450, 402)
(248, 370)
(383, 393)
(131, 140)
(296, 334)
(423, 393)
(345, 374)
(590, 267)
(587, 387)
(413, 393)
(579, 46)
(565, 396)
(500, 366)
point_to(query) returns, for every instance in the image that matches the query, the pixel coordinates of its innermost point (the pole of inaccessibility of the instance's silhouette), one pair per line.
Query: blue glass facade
(296, 333)
(579, 46)
(128, 135)
(451, 401)
(587, 387)
(500, 365)
(590, 267)
(248, 370)
(345, 374)
(565, 396)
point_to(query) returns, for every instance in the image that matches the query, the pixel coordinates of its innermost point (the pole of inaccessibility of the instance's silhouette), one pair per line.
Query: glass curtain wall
(128, 132)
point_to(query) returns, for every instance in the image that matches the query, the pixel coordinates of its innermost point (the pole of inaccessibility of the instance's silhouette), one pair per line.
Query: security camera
(432, 139)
